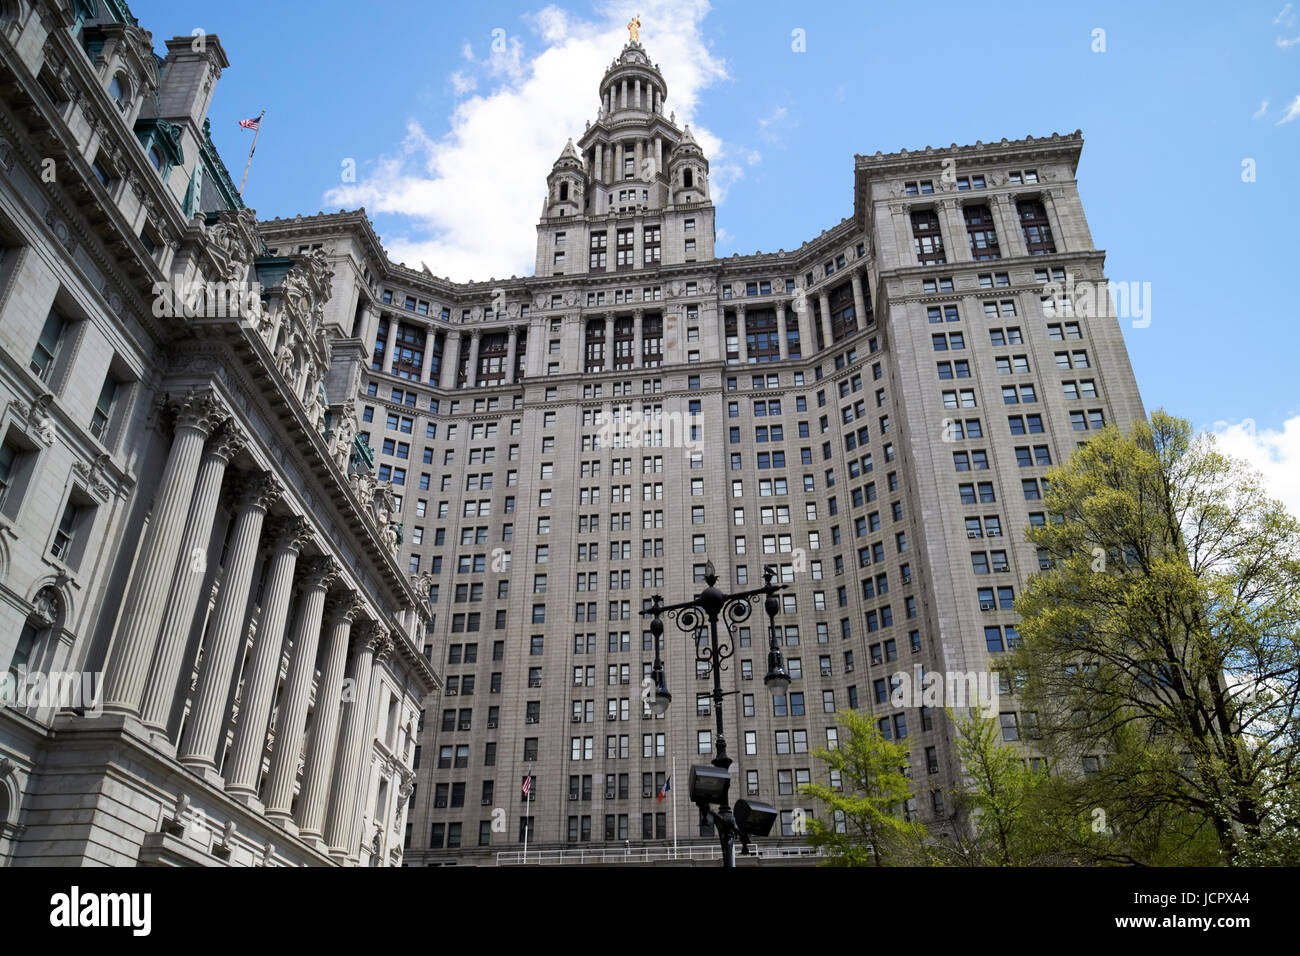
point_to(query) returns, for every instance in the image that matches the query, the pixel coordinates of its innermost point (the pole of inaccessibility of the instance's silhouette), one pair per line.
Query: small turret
(566, 184)
(688, 171)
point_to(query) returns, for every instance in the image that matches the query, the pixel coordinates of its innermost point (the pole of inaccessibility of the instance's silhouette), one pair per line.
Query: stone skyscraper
(871, 413)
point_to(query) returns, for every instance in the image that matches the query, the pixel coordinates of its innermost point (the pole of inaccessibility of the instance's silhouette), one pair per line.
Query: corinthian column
(471, 373)
(824, 303)
(342, 812)
(291, 722)
(803, 313)
(859, 300)
(178, 617)
(450, 361)
(288, 537)
(255, 495)
(742, 340)
(340, 611)
(127, 670)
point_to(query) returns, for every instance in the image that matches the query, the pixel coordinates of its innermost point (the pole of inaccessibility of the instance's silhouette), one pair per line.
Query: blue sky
(451, 140)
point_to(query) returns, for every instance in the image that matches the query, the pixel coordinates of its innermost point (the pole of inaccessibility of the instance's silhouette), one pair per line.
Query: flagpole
(674, 811)
(256, 133)
(527, 816)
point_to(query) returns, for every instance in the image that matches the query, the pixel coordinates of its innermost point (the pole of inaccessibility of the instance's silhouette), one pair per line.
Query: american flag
(528, 785)
(251, 123)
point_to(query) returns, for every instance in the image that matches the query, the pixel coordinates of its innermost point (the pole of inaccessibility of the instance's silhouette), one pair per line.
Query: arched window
(564, 191)
(688, 178)
(118, 89)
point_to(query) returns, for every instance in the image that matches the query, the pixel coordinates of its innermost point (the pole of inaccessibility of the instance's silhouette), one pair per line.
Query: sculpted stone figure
(342, 434)
(284, 361)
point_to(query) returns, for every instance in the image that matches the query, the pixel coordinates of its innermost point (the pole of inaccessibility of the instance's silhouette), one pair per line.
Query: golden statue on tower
(634, 29)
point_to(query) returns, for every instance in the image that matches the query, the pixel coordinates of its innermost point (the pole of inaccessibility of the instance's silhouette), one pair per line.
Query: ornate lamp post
(709, 785)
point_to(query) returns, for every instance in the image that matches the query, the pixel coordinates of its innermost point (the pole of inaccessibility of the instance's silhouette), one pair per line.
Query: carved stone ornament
(198, 408)
(342, 432)
(233, 242)
(47, 605)
(307, 288)
(93, 474)
(342, 607)
(319, 573)
(290, 532)
(423, 583)
(37, 417)
(258, 490)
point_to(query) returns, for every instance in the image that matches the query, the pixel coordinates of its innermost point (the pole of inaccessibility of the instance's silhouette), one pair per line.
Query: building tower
(872, 413)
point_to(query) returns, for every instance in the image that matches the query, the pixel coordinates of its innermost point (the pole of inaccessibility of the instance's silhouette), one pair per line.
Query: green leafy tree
(1160, 649)
(873, 790)
(994, 803)
(1010, 810)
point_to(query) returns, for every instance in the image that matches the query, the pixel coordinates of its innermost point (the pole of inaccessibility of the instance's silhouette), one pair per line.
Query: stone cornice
(1003, 151)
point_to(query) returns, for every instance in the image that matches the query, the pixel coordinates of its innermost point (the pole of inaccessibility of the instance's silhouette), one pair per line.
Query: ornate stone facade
(176, 519)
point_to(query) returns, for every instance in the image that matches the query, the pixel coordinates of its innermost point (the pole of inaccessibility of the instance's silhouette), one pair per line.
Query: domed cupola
(566, 184)
(688, 171)
(632, 82)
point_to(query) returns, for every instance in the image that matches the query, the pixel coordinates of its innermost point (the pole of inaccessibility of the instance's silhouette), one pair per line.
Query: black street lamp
(709, 785)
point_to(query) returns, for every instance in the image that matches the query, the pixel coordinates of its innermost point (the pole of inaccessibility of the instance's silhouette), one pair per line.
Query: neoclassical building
(872, 413)
(213, 655)
(505, 472)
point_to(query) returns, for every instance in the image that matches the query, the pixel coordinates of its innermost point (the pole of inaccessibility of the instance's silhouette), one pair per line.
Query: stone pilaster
(512, 354)
(366, 751)
(199, 747)
(195, 416)
(742, 343)
(187, 582)
(288, 536)
(609, 341)
(638, 339)
(783, 340)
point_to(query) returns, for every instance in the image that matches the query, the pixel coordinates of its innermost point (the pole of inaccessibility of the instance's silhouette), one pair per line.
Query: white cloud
(463, 83)
(1285, 17)
(466, 201)
(1263, 108)
(1292, 112)
(1287, 42)
(1275, 454)
(771, 127)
